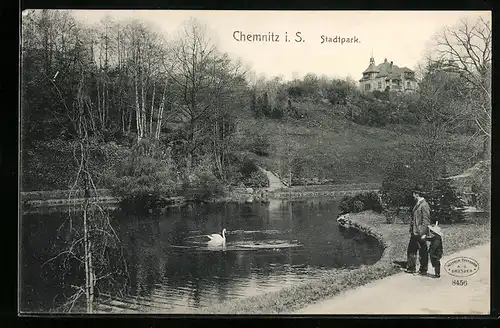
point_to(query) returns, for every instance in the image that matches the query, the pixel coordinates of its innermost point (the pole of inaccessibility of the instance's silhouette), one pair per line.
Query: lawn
(339, 150)
(395, 240)
(334, 148)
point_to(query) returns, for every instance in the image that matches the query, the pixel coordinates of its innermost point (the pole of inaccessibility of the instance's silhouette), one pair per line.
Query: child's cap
(436, 229)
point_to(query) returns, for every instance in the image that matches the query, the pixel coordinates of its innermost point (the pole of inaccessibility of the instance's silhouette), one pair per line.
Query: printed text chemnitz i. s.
(241, 36)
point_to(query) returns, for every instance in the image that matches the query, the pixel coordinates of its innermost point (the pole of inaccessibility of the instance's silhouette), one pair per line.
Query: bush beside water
(361, 202)
(148, 176)
(405, 175)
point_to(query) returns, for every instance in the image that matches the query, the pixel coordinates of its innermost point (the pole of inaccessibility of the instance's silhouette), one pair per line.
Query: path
(274, 181)
(412, 294)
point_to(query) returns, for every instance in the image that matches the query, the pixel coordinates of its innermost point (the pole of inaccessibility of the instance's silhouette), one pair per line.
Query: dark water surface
(172, 270)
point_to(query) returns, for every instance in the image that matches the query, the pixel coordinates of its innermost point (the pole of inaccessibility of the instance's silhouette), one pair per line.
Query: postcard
(255, 162)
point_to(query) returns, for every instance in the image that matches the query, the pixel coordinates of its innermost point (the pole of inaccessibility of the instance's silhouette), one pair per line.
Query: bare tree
(466, 49)
(289, 151)
(274, 87)
(435, 114)
(229, 86)
(193, 56)
(92, 238)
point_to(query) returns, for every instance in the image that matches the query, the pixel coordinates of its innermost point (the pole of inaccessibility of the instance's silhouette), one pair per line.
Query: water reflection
(269, 245)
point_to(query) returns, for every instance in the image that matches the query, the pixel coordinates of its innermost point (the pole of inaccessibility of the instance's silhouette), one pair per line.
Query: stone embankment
(347, 221)
(277, 189)
(68, 197)
(64, 197)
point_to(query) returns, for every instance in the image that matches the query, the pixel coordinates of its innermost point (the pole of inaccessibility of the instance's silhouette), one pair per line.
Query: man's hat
(419, 189)
(436, 229)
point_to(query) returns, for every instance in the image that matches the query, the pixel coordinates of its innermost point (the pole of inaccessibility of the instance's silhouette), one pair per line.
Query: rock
(344, 221)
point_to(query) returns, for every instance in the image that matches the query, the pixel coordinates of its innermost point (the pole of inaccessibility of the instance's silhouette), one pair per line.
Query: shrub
(105, 161)
(371, 200)
(402, 178)
(296, 91)
(48, 165)
(257, 179)
(338, 91)
(276, 113)
(445, 205)
(347, 205)
(251, 139)
(374, 112)
(242, 171)
(260, 145)
(381, 95)
(358, 206)
(361, 202)
(202, 185)
(145, 178)
(51, 164)
(247, 167)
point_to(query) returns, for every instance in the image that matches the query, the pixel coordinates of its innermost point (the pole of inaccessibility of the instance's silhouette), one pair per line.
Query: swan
(216, 238)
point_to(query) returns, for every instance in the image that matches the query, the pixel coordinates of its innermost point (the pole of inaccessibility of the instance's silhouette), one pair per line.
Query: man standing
(418, 231)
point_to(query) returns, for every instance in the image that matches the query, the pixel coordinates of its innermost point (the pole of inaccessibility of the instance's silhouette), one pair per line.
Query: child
(435, 248)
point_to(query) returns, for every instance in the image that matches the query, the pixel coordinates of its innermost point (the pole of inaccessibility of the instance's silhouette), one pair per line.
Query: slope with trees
(178, 116)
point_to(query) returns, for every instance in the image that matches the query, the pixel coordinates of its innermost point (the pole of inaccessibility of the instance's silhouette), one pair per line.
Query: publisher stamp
(461, 267)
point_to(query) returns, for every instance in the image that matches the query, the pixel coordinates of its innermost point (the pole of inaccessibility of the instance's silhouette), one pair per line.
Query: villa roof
(385, 69)
(371, 69)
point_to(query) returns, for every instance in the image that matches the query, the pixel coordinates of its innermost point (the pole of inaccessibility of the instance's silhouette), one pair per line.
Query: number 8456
(459, 282)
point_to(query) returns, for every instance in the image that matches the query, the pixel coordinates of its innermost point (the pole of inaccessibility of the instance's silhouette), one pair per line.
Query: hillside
(329, 148)
(138, 123)
(334, 148)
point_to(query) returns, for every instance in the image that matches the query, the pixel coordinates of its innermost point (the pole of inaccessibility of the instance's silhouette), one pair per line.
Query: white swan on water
(217, 239)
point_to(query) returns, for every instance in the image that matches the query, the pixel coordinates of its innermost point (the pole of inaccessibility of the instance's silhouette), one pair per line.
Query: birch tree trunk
(103, 117)
(130, 113)
(152, 112)
(160, 114)
(137, 112)
(143, 110)
(89, 290)
(98, 97)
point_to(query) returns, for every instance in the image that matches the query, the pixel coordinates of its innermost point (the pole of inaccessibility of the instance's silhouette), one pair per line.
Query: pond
(171, 270)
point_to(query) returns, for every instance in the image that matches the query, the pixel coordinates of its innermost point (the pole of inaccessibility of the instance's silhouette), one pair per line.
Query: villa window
(408, 84)
(367, 86)
(380, 85)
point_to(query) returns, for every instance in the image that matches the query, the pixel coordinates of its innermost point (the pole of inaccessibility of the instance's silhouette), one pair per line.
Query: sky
(400, 36)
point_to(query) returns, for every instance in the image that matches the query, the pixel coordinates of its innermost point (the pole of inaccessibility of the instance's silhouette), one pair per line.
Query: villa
(387, 76)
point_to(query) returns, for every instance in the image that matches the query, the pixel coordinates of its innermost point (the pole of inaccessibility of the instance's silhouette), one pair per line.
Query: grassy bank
(333, 148)
(394, 238)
